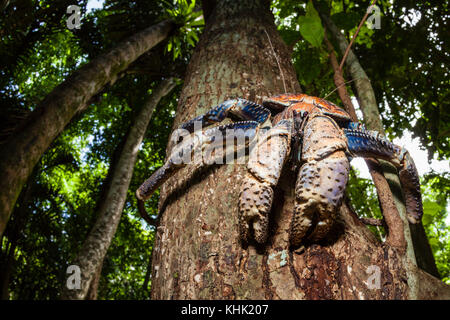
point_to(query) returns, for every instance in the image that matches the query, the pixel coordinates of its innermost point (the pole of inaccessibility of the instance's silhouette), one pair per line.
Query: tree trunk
(91, 256)
(7, 268)
(13, 235)
(23, 150)
(415, 234)
(92, 293)
(197, 253)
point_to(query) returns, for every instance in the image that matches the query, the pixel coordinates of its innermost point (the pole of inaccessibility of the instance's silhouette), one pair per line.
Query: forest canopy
(406, 60)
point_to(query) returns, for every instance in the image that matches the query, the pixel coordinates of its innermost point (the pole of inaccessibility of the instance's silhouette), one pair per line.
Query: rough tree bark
(414, 234)
(92, 293)
(23, 150)
(90, 258)
(197, 254)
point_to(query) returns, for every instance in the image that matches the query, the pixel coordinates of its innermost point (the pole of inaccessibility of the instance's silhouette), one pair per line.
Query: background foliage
(58, 206)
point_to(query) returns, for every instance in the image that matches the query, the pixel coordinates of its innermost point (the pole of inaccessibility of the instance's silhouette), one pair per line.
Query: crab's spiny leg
(264, 168)
(184, 152)
(363, 143)
(321, 180)
(237, 108)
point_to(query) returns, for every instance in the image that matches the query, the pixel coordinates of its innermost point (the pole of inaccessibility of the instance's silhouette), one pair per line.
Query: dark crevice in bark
(266, 278)
(292, 269)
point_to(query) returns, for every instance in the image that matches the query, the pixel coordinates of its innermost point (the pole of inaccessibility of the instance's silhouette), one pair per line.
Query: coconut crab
(316, 137)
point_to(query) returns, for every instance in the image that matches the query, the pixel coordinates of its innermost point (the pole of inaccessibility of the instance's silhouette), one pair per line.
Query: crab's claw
(264, 168)
(321, 181)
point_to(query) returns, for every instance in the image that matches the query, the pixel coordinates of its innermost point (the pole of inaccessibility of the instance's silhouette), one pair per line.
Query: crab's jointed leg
(321, 180)
(367, 144)
(183, 153)
(240, 109)
(263, 171)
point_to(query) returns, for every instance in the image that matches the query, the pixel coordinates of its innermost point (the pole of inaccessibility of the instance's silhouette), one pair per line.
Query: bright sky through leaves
(94, 4)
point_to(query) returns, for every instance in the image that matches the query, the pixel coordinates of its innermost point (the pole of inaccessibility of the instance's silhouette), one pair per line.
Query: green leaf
(311, 26)
(191, 6)
(311, 11)
(434, 243)
(430, 210)
(190, 40)
(311, 30)
(194, 35)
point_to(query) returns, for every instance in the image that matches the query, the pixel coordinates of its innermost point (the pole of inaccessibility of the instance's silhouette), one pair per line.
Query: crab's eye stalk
(280, 102)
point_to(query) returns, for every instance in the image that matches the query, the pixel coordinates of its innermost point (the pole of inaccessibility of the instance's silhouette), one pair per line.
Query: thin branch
(356, 34)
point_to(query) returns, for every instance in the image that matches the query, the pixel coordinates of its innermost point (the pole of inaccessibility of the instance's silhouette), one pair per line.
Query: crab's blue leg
(264, 168)
(194, 144)
(362, 143)
(240, 109)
